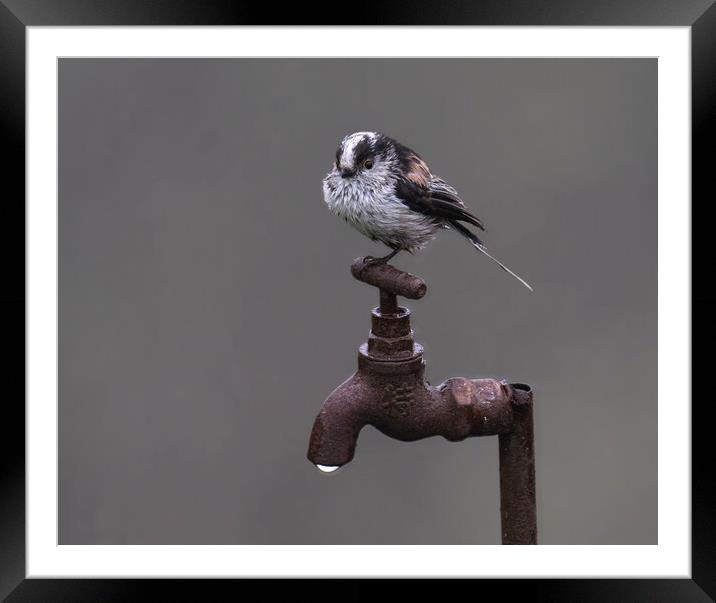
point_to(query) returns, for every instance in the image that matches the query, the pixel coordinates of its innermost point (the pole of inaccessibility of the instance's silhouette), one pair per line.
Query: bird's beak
(347, 173)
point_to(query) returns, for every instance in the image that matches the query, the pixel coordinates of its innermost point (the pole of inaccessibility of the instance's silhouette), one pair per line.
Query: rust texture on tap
(389, 392)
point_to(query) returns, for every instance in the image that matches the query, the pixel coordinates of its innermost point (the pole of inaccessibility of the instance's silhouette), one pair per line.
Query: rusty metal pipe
(389, 392)
(518, 507)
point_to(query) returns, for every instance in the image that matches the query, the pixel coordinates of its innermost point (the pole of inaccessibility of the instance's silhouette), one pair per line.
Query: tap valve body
(389, 392)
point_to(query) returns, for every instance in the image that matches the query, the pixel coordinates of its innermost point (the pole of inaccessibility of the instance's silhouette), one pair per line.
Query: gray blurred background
(206, 307)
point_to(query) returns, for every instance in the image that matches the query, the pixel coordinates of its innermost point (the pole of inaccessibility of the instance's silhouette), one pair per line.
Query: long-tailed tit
(387, 192)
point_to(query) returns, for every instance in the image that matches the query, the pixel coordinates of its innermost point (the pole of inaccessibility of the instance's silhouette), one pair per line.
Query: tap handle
(388, 279)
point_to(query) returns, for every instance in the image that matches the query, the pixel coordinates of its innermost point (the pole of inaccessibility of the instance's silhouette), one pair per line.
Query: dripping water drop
(328, 468)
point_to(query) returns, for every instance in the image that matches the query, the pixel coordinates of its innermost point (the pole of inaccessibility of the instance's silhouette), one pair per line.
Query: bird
(387, 192)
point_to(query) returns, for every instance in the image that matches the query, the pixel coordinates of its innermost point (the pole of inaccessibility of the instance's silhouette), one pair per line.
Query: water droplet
(328, 468)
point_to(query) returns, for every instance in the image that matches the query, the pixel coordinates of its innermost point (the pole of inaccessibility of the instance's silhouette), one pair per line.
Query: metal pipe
(518, 506)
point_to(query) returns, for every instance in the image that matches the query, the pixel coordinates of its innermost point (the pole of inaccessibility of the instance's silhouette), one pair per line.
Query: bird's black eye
(368, 163)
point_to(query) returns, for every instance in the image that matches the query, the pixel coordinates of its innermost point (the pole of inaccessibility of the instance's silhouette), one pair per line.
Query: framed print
(192, 182)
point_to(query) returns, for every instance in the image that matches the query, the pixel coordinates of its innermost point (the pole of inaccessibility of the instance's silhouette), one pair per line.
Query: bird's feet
(370, 260)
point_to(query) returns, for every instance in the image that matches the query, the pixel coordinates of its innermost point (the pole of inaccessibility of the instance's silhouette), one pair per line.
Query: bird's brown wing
(434, 197)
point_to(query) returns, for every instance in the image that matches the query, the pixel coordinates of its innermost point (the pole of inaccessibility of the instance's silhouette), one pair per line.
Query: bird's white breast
(369, 204)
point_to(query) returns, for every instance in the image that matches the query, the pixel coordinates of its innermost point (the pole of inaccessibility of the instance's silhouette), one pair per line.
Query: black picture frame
(16, 15)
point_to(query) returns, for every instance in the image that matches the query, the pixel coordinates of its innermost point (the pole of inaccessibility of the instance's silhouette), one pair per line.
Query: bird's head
(363, 157)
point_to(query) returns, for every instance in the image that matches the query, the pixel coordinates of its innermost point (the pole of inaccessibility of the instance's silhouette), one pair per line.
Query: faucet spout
(336, 428)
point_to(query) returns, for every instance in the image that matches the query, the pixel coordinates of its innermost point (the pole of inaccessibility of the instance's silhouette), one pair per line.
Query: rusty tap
(389, 392)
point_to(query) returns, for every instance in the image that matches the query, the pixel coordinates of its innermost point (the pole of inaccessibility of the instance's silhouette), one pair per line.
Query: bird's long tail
(480, 246)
